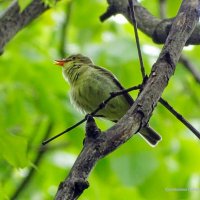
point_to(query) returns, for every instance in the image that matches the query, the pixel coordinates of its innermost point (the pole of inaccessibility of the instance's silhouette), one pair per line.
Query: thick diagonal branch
(13, 20)
(139, 114)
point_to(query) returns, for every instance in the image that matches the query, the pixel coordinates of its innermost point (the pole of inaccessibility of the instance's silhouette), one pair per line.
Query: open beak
(59, 62)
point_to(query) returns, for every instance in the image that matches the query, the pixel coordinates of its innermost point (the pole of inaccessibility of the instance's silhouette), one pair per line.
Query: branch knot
(92, 131)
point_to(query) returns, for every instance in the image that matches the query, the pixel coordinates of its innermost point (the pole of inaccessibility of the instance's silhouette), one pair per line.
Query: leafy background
(34, 105)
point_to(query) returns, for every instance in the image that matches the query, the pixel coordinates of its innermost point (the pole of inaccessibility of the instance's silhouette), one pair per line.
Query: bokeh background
(34, 105)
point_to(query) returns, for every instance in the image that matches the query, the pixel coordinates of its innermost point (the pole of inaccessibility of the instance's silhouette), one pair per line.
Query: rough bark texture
(13, 20)
(103, 143)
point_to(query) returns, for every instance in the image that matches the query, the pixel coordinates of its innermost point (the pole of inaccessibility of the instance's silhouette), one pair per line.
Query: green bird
(91, 85)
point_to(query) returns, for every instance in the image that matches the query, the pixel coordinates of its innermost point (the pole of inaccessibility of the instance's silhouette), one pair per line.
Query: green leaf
(134, 169)
(3, 194)
(14, 150)
(23, 4)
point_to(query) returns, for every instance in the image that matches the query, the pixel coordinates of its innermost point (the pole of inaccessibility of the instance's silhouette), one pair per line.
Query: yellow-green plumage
(91, 85)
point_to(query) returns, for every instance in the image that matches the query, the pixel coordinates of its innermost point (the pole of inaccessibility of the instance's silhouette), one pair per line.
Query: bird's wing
(126, 95)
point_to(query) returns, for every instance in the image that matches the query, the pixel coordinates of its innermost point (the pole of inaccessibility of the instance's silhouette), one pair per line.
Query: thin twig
(113, 95)
(100, 107)
(65, 131)
(179, 117)
(134, 22)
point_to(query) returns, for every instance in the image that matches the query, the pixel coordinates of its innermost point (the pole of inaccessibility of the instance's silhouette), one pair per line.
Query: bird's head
(69, 66)
(73, 59)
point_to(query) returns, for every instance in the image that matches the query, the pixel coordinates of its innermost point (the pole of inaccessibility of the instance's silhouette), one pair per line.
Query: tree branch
(134, 22)
(155, 28)
(13, 20)
(179, 117)
(139, 114)
(183, 59)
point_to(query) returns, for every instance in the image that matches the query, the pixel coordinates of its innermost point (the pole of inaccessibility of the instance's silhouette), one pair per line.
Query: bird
(90, 85)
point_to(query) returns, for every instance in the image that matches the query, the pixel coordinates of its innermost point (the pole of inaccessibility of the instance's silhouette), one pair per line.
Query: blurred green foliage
(33, 96)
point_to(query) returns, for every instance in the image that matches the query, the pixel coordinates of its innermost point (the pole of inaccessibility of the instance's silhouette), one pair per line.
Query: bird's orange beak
(59, 62)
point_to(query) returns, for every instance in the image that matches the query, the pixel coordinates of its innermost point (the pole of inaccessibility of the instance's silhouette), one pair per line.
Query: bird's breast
(92, 89)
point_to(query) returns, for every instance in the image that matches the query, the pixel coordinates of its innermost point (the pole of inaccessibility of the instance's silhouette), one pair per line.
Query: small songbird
(92, 85)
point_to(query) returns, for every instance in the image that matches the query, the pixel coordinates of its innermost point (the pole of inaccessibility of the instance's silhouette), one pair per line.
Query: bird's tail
(150, 135)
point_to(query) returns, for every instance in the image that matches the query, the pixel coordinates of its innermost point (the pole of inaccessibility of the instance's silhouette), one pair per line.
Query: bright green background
(34, 96)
